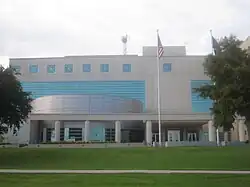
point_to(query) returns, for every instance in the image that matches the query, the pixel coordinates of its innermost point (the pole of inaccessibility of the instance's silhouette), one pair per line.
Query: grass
(128, 180)
(226, 158)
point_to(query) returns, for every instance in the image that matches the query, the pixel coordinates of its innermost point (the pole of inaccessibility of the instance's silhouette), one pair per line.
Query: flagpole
(158, 92)
(217, 129)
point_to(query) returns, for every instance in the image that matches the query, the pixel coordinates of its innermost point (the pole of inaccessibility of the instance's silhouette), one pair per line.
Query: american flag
(159, 47)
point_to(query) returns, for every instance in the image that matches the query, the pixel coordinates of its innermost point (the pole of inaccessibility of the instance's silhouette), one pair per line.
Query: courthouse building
(114, 98)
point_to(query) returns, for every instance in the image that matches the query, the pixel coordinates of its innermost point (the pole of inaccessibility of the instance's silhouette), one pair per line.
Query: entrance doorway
(174, 136)
(155, 137)
(192, 137)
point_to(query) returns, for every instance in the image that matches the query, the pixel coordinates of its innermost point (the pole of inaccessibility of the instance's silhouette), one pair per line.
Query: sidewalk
(17, 171)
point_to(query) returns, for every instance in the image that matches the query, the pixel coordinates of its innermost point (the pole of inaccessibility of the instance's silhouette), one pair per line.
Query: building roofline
(106, 56)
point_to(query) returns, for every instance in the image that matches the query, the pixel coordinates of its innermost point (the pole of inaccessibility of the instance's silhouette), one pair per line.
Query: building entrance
(174, 136)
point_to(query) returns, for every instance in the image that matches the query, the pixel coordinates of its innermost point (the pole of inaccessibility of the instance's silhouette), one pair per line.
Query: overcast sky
(31, 28)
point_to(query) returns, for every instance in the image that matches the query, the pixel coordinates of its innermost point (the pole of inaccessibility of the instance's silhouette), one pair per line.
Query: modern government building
(113, 98)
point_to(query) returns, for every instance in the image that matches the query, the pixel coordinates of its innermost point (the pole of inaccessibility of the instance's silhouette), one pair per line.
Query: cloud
(68, 27)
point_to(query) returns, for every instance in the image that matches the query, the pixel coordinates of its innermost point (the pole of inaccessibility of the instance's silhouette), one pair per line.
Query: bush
(77, 142)
(5, 143)
(23, 145)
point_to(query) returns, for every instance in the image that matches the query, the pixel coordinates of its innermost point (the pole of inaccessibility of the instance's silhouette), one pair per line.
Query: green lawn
(128, 180)
(231, 158)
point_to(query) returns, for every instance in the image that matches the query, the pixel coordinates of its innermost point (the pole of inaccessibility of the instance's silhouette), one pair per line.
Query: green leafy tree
(242, 77)
(15, 104)
(225, 71)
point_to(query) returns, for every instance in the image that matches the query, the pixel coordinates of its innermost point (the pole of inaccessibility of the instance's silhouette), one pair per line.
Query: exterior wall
(246, 44)
(176, 91)
(235, 132)
(4, 61)
(22, 136)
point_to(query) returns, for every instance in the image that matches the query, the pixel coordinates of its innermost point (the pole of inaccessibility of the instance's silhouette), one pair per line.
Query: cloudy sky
(31, 28)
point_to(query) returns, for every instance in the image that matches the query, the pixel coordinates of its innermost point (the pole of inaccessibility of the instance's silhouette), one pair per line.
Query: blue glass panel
(17, 69)
(167, 67)
(104, 67)
(125, 89)
(86, 68)
(198, 103)
(51, 68)
(33, 68)
(126, 67)
(68, 68)
(97, 134)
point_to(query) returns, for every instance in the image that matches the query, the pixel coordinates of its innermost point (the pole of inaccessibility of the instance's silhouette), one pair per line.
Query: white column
(117, 131)
(211, 131)
(226, 135)
(149, 132)
(44, 134)
(83, 134)
(57, 131)
(241, 126)
(218, 137)
(86, 131)
(201, 136)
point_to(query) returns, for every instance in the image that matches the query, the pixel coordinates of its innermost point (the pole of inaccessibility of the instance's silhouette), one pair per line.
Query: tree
(230, 82)
(242, 102)
(15, 104)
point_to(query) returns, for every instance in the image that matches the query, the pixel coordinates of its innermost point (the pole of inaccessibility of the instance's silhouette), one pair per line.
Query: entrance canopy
(85, 104)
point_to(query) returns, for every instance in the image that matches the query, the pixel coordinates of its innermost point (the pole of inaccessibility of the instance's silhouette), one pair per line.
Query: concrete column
(241, 126)
(226, 135)
(117, 131)
(184, 134)
(201, 135)
(149, 132)
(44, 134)
(86, 131)
(57, 131)
(211, 131)
(83, 134)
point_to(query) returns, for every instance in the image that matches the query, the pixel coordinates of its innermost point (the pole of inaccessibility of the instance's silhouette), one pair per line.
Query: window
(33, 68)
(104, 67)
(167, 67)
(68, 68)
(86, 68)
(126, 67)
(51, 68)
(17, 69)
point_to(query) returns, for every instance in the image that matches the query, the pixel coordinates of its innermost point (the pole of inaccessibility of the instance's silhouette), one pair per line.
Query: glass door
(192, 137)
(173, 136)
(155, 137)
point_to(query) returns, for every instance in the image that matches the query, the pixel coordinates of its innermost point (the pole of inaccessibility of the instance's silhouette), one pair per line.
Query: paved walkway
(121, 171)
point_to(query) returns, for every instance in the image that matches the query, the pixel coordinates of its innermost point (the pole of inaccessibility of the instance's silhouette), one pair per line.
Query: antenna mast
(124, 41)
